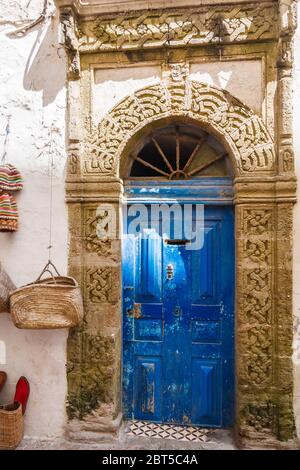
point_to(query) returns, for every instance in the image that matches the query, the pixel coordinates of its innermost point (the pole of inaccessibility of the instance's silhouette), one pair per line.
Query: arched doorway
(178, 279)
(263, 199)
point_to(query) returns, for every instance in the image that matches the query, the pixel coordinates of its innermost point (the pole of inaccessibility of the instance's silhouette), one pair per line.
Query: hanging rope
(6, 139)
(51, 193)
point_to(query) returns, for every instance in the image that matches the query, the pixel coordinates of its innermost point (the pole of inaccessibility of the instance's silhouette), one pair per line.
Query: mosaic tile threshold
(168, 431)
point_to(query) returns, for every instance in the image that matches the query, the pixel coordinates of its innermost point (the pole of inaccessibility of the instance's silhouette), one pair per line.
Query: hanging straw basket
(6, 287)
(11, 426)
(54, 302)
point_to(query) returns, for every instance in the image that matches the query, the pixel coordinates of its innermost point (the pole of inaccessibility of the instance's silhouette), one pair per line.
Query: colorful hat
(10, 178)
(8, 213)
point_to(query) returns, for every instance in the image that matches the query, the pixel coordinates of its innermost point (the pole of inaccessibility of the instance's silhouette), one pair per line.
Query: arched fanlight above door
(178, 151)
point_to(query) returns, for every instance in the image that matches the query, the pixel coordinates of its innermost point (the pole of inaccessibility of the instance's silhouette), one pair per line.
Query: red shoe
(22, 392)
(3, 378)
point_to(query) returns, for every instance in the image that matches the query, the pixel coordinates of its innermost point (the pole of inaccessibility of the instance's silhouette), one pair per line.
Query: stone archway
(263, 201)
(244, 132)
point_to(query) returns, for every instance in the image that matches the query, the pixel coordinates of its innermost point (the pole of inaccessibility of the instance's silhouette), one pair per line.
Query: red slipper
(3, 378)
(22, 392)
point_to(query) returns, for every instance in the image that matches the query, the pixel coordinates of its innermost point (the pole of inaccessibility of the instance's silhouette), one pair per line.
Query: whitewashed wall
(32, 92)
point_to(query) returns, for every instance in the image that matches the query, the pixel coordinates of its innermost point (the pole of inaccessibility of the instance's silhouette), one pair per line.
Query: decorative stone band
(244, 133)
(220, 24)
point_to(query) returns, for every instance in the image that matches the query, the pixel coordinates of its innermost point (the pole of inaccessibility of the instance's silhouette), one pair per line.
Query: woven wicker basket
(54, 302)
(11, 426)
(6, 287)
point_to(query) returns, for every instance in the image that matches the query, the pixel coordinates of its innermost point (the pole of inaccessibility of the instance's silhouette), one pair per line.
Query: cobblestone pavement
(216, 440)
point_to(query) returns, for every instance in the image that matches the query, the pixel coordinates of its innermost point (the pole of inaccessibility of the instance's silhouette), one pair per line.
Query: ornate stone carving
(286, 52)
(102, 142)
(176, 72)
(102, 284)
(250, 141)
(257, 293)
(287, 159)
(259, 416)
(100, 229)
(258, 221)
(74, 157)
(258, 362)
(213, 25)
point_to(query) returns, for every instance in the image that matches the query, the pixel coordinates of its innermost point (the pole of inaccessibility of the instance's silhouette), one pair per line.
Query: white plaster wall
(296, 257)
(32, 92)
(123, 81)
(111, 85)
(242, 78)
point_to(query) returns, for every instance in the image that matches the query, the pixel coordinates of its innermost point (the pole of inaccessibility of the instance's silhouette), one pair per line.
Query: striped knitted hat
(8, 213)
(10, 178)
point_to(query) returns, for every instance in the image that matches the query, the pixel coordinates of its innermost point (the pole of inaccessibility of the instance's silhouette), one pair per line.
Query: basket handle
(48, 269)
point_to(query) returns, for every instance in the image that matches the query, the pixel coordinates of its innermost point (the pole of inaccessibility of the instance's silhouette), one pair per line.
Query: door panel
(148, 267)
(147, 388)
(178, 327)
(206, 387)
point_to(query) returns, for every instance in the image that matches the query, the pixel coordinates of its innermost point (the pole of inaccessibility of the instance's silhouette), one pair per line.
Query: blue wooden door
(178, 326)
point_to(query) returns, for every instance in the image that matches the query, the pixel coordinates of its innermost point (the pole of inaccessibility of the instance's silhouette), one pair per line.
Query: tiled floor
(141, 435)
(166, 431)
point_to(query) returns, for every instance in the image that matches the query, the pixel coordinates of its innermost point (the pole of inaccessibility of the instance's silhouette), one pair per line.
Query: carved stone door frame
(263, 202)
(264, 189)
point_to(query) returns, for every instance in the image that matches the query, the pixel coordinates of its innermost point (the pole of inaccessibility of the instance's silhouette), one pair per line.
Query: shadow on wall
(46, 65)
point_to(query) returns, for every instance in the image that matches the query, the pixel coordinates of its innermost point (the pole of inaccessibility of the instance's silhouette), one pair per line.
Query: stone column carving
(264, 322)
(285, 87)
(94, 347)
(255, 319)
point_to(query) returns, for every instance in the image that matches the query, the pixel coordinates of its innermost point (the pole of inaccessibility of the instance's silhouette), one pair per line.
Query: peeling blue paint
(178, 356)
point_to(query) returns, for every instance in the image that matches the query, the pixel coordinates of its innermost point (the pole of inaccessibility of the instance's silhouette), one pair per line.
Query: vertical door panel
(148, 388)
(178, 326)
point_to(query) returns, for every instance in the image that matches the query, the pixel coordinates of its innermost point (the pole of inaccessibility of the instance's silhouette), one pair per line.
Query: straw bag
(6, 287)
(11, 425)
(54, 302)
